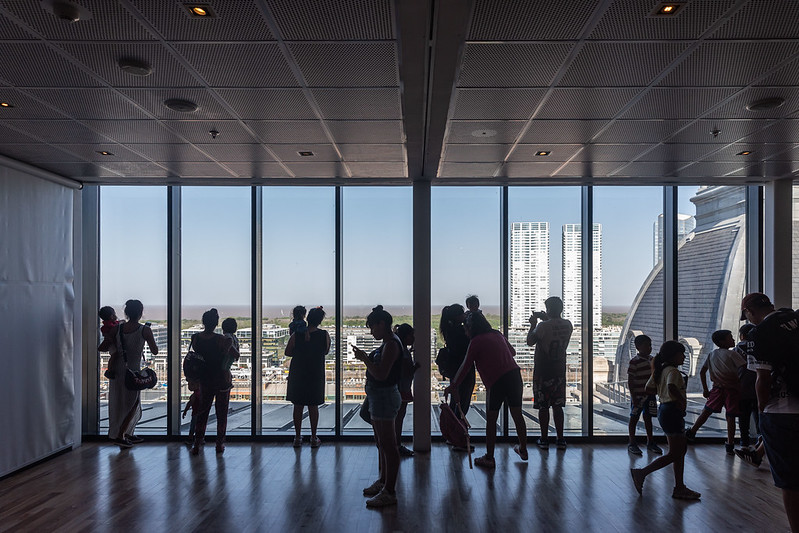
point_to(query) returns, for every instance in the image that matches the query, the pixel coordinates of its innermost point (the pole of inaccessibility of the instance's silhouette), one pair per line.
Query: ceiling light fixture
(103, 152)
(5, 104)
(306, 153)
(715, 132)
(745, 152)
(136, 67)
(542, 153)
(202, 11)
(181, 106)
(765, 104)
(214, 134)
(667, 9)
(66, 11)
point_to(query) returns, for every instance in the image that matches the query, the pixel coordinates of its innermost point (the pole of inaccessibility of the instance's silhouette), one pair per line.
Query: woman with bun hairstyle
(306, 383)
(124, 406)
(669, 384)
(456, 341)
(215, 383)
(383, 371)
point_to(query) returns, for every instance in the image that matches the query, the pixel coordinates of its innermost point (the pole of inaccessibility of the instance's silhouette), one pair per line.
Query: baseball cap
(754, 300)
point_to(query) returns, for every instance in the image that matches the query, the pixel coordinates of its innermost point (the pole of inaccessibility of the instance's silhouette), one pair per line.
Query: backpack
(443, 362)
(194, 366)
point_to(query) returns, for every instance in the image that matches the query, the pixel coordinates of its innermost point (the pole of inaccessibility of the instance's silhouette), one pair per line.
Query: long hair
(447, 323)
(665, 357)
(477, 324)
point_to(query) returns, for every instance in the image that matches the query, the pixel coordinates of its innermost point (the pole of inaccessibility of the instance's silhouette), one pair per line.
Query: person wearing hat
(551, 339)
(774, 348)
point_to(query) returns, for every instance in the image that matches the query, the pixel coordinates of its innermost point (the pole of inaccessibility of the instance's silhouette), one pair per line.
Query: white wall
(38, 319)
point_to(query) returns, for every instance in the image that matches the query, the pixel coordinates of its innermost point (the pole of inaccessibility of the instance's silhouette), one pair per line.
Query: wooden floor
(273, 487)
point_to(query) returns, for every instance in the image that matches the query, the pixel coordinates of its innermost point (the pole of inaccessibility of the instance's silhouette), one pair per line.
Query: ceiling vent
(66, 11)
(136, 67)
(766, 104)
(181, 106)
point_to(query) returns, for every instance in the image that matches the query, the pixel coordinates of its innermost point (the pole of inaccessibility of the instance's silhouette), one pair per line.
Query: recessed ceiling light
(542, 153)
(745, 152)
(200, 10)
(765, 104)
(667, 9)
(135, 67)
(306, 153)
(5, 104)
(103, 152)
(180, 105)
(66, 11)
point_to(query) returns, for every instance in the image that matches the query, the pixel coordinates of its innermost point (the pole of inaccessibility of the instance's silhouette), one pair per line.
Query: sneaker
(690, 435)
(297, 442)
(654, 448)
(749, 457)
(520, 452)
(485, 461)
(382, 499)
(634, 449)
(729, 448)
(542, 443)
(684, 493)
(315, 442)
(638, 479)
(133, 439)
(122, 443)
(373, 489)
(561, 444)
(405, 452)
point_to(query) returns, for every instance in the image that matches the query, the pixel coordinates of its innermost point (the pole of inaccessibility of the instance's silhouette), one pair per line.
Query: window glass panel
(629, 222)
(711, 262)
(299, 268)
(377, 269)
(465, 260)
(216, 266)
(133, 259)
(543, 263)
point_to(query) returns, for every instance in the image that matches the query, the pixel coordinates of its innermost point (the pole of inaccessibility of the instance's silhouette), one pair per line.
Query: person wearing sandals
(306, 383)
(215, 384)
(124, 405)
(383, 372)
(493, 355)
(670, 386)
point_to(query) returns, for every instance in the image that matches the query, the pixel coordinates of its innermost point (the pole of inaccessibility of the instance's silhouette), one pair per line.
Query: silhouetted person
(456, 341)
(406, 336)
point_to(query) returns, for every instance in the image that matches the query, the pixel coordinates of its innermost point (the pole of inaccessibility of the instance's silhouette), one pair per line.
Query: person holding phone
(383, 371)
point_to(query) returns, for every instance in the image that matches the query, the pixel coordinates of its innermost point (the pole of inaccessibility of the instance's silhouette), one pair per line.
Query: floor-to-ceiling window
(377, 261)
(544, 234)
(133, 265)
(465, 260)
(629, 301)
(299, 269)
(216, 273)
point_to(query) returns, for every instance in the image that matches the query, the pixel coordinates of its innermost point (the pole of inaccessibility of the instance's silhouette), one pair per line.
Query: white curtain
(37, 318)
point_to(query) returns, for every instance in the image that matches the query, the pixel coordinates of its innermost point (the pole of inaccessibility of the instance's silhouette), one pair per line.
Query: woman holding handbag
(215, 382)
(124, 405)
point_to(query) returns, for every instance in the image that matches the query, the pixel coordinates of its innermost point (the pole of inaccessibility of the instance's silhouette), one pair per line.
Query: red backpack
(455, 430)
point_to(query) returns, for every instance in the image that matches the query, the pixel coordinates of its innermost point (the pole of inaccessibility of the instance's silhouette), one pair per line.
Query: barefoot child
(638, 373)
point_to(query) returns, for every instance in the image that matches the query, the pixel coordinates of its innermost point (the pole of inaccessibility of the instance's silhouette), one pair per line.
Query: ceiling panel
(373, 152)
(235, 152)
(103, 60)
(92, 152)
(199, 131)
(333, 20)
(647, 169)
(101, 20)
(593, 103)
(762, 20)
(611, 152)
(557, 152)
(478, 153)
(487, 104)
(366, 131)
(701, 131)
(275, 104)
(132, 169)
(677, 103)
(467, 170)
(273, 131)
(620, 64)
(330, 169)
(347, 64)
(8, 135)
(60, 131)
(25, 106)
(93, 103)
(589, 169)
(511, 64)
(522, 20)
(736, 107)
(562, 131)
(152, 101)
(198, 170)
(729, 64)
(378, 170)
(51, 68)
(236, 20)
(258, 169)
(81, 171)
(134, 131)
(711, 170)
(488, 132)
(170, 152)
(239, 65)
(365, 104)
(786, 75)
(777, 131)
(525, 169)
(681, 152)
(633, 131)
(38, 153)
(291, 152)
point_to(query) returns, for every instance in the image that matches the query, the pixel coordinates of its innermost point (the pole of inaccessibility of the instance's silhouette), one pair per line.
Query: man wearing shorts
(550, 338)
(774, 346)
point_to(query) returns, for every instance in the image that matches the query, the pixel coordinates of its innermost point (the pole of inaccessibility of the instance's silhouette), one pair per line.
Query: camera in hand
(540, 315)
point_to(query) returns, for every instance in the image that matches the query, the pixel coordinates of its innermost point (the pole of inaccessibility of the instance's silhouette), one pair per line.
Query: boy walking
(638, 373)
(723, 364)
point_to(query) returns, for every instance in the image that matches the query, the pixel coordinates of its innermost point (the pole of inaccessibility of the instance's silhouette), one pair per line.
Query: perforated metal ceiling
(464, 91)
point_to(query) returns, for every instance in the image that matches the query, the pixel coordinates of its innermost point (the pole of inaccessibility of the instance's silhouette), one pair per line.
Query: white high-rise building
(572, 265)
(685, 225)
(529, 270)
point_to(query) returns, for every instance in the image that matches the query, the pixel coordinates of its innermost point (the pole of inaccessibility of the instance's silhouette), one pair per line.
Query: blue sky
(299, 239)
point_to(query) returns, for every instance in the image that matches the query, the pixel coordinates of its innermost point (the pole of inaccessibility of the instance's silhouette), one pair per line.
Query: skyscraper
(572, 263)
(685, 225)
(529, 270)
